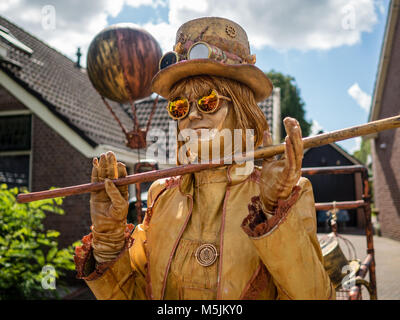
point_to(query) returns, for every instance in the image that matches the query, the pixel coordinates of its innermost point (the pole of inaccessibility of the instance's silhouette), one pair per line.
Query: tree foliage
(291, 103)
(364, 152)
(26, 247)
(364, 156)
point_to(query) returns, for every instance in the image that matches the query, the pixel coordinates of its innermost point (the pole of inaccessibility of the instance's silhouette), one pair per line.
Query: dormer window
(6, 36)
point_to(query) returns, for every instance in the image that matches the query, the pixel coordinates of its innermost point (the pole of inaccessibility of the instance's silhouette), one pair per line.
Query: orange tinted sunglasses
(179, 107)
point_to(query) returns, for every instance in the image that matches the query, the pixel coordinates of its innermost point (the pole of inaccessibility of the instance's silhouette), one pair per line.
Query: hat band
(202, 50)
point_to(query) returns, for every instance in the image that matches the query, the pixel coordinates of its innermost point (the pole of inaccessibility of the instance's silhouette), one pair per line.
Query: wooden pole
(266, 152)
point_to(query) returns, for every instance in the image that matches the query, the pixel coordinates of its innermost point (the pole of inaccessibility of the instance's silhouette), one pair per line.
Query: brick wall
(386, 166)
(386, 151)
(56, 163)
(9, 102)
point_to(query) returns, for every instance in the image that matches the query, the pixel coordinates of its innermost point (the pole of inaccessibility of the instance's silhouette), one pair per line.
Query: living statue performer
(221, 233)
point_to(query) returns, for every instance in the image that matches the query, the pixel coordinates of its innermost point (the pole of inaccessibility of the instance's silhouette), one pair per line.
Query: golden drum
(334, 259)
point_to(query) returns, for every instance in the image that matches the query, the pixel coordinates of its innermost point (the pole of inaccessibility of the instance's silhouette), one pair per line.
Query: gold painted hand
(279, 177)
(108, 208)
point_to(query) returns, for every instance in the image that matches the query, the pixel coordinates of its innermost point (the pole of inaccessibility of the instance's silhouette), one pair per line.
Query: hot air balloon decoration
(121, 62)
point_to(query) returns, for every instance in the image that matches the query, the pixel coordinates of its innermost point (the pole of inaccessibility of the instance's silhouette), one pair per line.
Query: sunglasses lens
(178, 108)
(209, 103)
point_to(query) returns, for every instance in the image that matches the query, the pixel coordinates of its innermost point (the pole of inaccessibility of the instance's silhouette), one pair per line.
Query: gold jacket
(276, 258)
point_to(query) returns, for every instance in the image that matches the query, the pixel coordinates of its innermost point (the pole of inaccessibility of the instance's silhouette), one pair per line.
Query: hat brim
(248, 74)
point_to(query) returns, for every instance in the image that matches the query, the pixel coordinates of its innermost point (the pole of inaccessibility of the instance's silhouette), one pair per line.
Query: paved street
(387, 257)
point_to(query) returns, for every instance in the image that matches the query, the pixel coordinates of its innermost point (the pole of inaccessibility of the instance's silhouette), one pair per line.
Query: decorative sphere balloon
(121, 62)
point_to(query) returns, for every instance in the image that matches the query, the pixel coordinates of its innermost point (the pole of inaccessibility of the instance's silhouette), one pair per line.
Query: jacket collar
(234, 174)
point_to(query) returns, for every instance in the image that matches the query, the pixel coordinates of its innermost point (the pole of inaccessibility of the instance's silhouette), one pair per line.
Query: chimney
(78, 55)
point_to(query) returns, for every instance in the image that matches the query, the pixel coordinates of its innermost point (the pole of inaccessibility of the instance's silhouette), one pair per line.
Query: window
(14, 170)
(15, 150)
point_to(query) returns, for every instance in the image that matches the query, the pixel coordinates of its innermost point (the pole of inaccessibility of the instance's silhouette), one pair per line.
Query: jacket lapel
(173, 208)
(236, 247)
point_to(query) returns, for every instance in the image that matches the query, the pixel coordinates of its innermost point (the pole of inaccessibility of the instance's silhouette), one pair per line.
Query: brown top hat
(211, 46)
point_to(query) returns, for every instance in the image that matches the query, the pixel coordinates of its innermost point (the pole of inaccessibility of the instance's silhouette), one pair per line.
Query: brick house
(53, 122)
(385, 146)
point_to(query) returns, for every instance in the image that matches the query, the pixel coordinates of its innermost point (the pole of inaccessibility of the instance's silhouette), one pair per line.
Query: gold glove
(108, 208)
(279, 177)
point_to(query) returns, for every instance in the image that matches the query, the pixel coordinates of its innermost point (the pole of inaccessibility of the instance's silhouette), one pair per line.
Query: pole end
(21, 198)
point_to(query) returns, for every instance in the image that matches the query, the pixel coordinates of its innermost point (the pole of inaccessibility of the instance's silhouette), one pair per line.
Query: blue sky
(323, 76)
(328, 46)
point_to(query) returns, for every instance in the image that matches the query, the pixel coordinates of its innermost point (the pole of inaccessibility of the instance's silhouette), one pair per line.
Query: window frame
(29, 153)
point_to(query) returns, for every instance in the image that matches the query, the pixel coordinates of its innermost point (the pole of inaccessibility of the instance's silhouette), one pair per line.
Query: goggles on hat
(200, 50)
(179, 107)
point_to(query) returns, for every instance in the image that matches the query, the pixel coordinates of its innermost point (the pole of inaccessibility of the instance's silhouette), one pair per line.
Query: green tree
(364, 152)
(291, 103)
(364, 156)
(26, 247)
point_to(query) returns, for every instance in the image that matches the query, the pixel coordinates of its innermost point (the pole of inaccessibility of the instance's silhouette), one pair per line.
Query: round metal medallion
(206, 254)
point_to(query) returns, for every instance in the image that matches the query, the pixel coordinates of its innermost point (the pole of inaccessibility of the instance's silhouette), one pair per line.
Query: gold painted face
(198, 120)
(234, 117)
(207, 126)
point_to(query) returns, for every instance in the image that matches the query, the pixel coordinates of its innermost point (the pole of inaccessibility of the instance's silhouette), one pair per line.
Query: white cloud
(75, 22)
(315, 128)
(363, 99)
(357, 145)
(152, 3)
(292, 24)
(164, 33)
(7, 4)
(381, 6)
